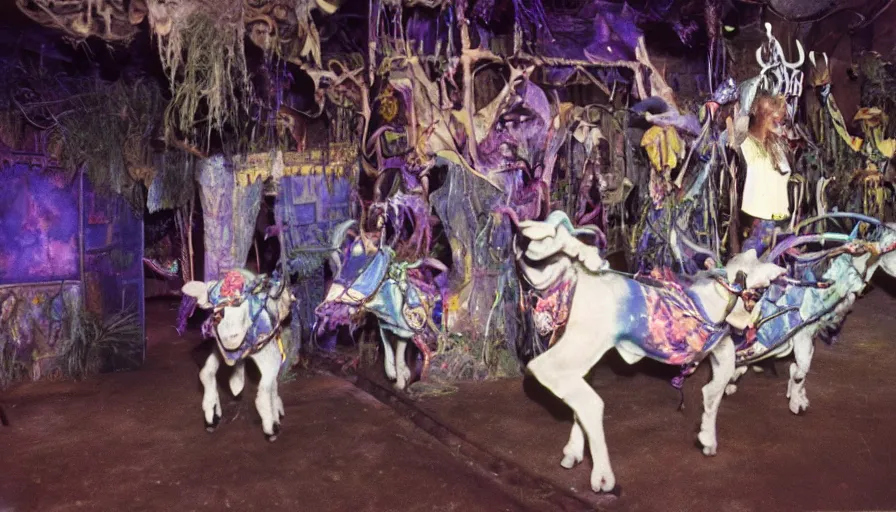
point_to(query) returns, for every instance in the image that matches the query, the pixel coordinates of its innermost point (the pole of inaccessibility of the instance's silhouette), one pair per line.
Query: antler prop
(778, 75)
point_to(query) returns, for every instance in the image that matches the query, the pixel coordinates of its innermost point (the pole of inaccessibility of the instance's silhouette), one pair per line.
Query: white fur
(803, 342)
(759, 274)
(739, 372)
(591, 331)
(231, 331)
(803, 348)
(233, 326)
(395, 359)
(267, 400)
(199, 291)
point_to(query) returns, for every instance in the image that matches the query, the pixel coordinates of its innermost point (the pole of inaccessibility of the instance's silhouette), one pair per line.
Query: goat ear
(199, 291)
(739, 317)
(534, 230)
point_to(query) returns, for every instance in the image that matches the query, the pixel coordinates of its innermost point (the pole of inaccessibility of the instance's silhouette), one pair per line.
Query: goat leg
(427, 355)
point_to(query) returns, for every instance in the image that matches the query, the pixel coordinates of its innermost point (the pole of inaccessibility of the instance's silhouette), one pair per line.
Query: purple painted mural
(71, 275)
(38, 225)
(309, 208)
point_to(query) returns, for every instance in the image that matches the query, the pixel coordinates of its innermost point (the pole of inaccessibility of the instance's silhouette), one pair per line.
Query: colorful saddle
(236, 287)
(668, 322)
(361, 275)
(784, 309)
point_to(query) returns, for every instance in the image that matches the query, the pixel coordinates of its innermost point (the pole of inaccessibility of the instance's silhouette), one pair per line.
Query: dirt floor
(135, 441)
(840, 455)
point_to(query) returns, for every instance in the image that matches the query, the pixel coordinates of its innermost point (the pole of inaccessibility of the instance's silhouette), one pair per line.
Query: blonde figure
(765, 197)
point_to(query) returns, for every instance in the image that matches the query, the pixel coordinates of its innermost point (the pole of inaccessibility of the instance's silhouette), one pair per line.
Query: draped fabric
(173, 185)
(308, 208)
(667, 322)
(229, 213)
(786, 309)
(155, 200)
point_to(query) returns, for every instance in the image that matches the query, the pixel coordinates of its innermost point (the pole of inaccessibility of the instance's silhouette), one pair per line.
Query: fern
(94, 339)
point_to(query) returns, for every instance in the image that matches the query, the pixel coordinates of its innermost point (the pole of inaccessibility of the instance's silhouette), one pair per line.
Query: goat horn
(336, 240)
(837, 215)
(800, 60)
(759, 60)
(794, 241)
(695, 246)
(778, 49)
(812, 58)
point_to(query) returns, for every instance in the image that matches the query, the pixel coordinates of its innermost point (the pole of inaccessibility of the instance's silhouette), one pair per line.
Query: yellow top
(765, 190)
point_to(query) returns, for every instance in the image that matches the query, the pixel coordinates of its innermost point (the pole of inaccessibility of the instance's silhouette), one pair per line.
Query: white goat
(248, 314)
(820, 309)
(608, 311)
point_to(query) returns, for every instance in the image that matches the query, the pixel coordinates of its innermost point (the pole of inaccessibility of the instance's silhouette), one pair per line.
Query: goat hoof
(210, 427)
(271, 438)
(276, 428)
(569, 461)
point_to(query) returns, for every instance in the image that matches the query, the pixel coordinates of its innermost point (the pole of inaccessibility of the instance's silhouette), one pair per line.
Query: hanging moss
(107, 133)
(173, 185)
(204, 59)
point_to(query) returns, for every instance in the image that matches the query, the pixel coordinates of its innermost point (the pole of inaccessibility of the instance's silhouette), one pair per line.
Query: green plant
(12, 368)
(94, 339)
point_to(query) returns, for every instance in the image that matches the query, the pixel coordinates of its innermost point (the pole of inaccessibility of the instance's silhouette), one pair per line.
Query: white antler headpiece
(777, 75)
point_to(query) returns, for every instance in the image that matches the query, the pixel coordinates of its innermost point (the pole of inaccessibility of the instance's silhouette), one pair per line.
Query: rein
(276, 329)
(257, 345)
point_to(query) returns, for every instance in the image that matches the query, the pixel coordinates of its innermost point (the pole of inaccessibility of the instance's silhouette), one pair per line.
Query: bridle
(253, 345)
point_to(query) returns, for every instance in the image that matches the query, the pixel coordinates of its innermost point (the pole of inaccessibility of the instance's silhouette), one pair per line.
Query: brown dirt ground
(840, 455)
(135, 440)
